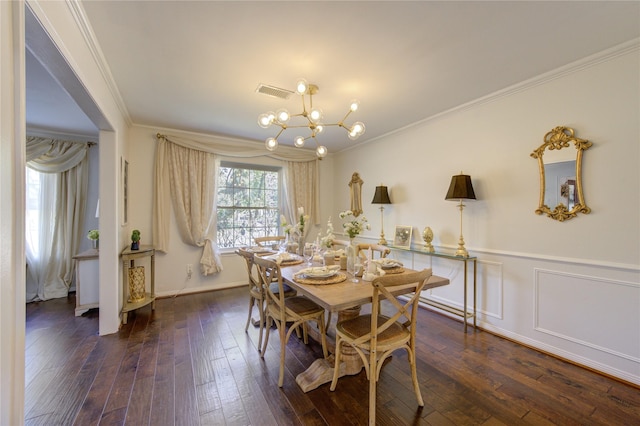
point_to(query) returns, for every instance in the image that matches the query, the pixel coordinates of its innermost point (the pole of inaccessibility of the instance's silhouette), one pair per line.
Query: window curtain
(228, 148)
(63, 191)
(190, 175)
(301, 190)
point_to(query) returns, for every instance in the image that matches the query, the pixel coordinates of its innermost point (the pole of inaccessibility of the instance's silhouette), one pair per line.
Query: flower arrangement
(285, 225)
(355, 225)
(298, 228)
(303, 219)
(93, 234)
(327, 240)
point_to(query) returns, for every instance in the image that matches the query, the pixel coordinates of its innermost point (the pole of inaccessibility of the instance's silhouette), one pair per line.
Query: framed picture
(124, 176)
(402, 236)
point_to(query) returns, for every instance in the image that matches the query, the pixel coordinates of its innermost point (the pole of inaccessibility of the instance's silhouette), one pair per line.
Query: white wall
(570, 288)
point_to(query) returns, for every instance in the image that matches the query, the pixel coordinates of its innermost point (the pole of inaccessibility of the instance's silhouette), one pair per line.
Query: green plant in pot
(135, 240)
(94, 236)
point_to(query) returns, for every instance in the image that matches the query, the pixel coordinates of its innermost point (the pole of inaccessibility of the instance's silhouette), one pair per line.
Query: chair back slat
(403, 312)
(268, 241)
(377, 251)
(269, 272)
(254, 279)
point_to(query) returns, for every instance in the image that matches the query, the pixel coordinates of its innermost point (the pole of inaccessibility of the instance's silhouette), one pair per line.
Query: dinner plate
(319, 272)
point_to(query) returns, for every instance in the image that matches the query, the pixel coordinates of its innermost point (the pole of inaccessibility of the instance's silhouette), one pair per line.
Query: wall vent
(276, 92)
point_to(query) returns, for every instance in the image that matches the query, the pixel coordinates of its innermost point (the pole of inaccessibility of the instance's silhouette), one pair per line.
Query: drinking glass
(308, 253)
(352, 268)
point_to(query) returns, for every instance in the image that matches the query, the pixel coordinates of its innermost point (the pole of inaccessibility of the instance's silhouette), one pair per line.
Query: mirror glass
(560, 165)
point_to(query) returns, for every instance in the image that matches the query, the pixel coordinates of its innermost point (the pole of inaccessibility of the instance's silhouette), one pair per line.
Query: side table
(128, 261)
(87, 281)
(464, 312)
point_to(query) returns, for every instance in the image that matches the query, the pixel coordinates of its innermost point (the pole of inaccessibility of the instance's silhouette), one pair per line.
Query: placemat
(334, 279)
(396, 270)
(291, 262)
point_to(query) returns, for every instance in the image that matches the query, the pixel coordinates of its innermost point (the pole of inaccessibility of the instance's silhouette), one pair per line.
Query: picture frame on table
(402, 236)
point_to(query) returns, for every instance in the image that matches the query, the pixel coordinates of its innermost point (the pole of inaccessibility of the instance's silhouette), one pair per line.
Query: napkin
(281, 257)
(388, 263)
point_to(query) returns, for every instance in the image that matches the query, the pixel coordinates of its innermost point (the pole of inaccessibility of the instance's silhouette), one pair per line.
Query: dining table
(343, 296)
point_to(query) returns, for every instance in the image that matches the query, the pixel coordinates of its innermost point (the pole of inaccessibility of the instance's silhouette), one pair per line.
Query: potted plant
(135, 240)
(94, 236)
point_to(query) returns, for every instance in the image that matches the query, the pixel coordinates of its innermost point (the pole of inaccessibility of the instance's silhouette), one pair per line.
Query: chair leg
(283, 346)
(372, 390)
(262, 325)
(251, 300)
(323, 336)
(268, 322)
(336, 366)
(414, 377)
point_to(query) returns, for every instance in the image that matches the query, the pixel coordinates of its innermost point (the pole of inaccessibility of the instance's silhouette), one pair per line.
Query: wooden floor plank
(190, 362)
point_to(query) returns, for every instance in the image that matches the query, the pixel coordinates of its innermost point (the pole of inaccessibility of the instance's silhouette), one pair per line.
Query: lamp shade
(460, 188)
(381, 196)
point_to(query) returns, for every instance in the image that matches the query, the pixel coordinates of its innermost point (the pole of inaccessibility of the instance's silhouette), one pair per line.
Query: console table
(464, 313)
(128, 261)
(87, 281)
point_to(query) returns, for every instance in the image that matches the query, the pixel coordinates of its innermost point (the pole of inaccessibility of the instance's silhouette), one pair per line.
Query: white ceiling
(195, 66)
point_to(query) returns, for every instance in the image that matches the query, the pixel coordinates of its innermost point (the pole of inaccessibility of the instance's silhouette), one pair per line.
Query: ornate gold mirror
(561, 174)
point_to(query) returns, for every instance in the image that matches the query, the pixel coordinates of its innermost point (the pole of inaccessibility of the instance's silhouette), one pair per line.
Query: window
(248, 203)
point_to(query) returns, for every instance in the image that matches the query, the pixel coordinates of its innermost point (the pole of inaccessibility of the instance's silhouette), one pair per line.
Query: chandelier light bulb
(299, 141)
(282, 115)
(315, 115)
(321, 151)
(354, 105)
(319, 128)
(265, 120)
(271, 144)
(302, 86)
(356, 130)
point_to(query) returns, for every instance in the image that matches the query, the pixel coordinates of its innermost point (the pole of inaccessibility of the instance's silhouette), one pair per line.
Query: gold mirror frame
(558, 138)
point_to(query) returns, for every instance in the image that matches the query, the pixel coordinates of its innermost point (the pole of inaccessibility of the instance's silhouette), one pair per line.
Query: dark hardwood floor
(190, 362)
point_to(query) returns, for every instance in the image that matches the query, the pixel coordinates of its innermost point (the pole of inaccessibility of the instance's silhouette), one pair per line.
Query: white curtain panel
(50, 247)
(301, 190)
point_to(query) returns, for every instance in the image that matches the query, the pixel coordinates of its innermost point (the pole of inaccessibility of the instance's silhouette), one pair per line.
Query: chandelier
(311, 120)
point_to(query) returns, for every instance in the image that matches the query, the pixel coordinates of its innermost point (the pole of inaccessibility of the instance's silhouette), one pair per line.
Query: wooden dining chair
(257, 293)
(269, 241)
(378, 251)
(379, 335)
(340, 244)
(297, 309)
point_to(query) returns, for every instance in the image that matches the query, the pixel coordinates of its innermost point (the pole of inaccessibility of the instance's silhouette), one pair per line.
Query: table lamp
(461, 189)
(381, 197)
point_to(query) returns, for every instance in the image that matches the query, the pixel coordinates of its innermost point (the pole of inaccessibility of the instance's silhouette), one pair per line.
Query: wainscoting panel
(589, 310)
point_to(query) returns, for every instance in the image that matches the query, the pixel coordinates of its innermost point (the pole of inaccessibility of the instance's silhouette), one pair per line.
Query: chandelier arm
(345, 117)
(280, 132)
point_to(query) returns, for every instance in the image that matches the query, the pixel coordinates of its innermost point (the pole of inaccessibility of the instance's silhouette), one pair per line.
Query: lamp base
(462, 252)
(382, 241)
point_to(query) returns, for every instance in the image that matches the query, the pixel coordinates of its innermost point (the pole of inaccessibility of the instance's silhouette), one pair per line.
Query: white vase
(350, 251)
(95, 244)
